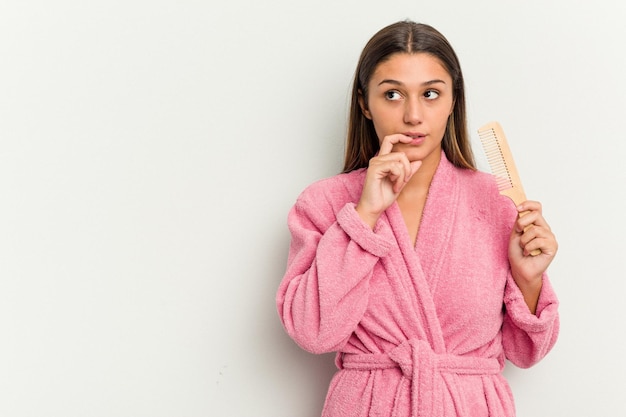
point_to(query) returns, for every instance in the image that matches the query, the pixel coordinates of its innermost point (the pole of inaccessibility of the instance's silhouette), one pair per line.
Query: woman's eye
(392, 95)
(431, 94)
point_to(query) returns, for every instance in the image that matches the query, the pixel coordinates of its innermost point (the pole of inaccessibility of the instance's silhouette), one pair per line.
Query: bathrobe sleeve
(526, 337)
(332, 255)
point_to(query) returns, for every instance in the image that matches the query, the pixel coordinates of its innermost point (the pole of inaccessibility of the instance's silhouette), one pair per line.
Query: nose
(413, 111)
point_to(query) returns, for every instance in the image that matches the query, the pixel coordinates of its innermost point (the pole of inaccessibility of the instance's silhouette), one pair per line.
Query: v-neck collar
(424, 261)
(436, 224)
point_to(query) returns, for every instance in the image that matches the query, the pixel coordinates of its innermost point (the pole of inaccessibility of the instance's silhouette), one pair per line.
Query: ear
(363, 106)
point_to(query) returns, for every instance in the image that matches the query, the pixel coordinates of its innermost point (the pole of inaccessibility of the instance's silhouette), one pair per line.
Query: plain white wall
(150, 152)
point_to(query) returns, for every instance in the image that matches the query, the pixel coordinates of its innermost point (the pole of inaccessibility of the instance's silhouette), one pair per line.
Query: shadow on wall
(300, 378)
(295, 380)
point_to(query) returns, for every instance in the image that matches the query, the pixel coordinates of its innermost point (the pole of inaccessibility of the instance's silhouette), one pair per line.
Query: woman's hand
(531, 232)
(387, 174)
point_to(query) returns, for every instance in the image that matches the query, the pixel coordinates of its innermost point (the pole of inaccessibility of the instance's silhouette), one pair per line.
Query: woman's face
(411, 94)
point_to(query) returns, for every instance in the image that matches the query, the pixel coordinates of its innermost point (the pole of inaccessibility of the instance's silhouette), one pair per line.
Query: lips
(418, 138)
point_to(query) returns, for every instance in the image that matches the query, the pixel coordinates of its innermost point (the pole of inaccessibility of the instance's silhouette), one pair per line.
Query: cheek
(445, 115)
(380, 116)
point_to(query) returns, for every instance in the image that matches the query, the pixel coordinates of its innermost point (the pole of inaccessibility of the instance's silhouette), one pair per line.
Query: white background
(150, 152)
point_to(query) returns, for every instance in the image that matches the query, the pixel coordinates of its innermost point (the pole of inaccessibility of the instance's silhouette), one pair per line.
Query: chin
(422, 154)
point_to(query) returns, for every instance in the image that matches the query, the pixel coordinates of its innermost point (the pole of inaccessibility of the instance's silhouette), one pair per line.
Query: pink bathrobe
(418, 331)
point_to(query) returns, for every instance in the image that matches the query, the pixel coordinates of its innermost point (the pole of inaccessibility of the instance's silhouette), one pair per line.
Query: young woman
(409, 264)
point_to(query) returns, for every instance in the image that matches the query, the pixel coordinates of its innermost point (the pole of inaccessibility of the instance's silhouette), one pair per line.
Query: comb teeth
(502, 166)
(495, 157)
(501, 162)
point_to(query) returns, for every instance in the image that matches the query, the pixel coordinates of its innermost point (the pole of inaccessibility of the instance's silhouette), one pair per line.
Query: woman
(409, 264)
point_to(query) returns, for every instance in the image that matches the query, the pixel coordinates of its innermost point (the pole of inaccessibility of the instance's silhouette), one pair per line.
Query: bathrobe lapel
(424, 261)
(438, 220)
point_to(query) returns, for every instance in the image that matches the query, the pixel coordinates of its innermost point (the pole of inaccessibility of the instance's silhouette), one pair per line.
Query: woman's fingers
(388, 142)
(387, 174)
(535, 232)
(540, 238)
(386, 177)
(530, 212)
(395, 164)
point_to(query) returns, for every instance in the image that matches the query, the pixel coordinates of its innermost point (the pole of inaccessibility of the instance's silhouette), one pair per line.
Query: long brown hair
(406, 37)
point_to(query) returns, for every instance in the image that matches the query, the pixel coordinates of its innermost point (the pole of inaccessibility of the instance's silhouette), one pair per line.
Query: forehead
(414, 67)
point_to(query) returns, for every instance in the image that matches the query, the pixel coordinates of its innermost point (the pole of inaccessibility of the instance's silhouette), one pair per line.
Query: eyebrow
(426, 83)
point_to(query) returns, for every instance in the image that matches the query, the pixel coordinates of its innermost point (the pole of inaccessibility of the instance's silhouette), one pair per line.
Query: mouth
(417, 137)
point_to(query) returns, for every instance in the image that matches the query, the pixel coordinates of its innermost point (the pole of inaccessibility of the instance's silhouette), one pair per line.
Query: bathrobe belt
(423, 369)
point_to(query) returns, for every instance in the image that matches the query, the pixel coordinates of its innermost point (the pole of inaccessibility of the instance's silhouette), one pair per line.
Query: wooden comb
(502, 165)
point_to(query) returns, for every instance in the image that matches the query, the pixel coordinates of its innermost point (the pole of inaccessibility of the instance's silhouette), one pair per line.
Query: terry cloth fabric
(419, 330)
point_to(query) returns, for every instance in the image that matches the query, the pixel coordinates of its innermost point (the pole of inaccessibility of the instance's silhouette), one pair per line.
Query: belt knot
(423, 368)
